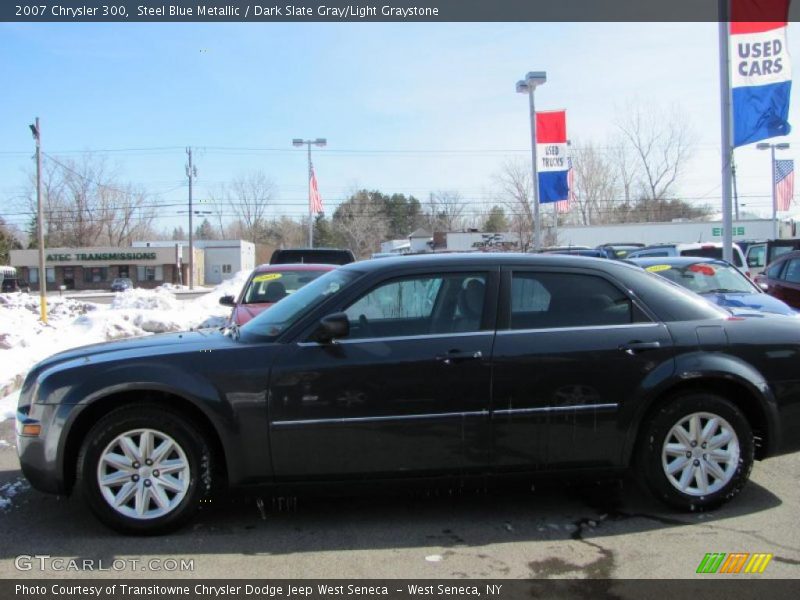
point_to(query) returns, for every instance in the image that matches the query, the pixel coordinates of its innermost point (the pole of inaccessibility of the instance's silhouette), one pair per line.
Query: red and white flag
(314, 197)
(784, 183)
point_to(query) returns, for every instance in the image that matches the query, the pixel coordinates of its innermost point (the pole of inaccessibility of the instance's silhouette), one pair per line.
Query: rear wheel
(697, 452)
(144, 469)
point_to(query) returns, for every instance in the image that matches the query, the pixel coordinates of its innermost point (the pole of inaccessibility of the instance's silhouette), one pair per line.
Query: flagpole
(774, 195)
(725, 126)
(310, 210)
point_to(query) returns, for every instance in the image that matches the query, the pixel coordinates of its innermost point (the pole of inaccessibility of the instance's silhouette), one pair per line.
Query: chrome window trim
(579, 328)
(550, 409)
(396, 338)
(379, 419)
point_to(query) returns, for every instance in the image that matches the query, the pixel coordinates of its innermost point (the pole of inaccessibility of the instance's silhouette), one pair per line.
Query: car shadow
(35, 523)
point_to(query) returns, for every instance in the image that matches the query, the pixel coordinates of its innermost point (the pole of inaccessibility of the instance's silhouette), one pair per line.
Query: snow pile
(24, 340)
(8, 406)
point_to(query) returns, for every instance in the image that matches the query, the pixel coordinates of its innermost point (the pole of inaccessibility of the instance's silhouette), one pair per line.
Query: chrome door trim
(379, 419)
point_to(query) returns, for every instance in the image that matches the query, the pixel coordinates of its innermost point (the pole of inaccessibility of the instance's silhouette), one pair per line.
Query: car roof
(484, 259)
(267, 268)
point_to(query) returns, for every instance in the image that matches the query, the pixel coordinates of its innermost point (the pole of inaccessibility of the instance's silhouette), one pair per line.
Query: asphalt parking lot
(597, 531)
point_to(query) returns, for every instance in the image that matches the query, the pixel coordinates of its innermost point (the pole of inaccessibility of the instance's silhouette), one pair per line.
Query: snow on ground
(25, 340)
(9, 490)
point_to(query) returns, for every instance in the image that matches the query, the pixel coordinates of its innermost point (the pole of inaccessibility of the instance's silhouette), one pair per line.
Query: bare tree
(661, 142)
(446, 210)
(515, 191)
(360, 223)
(126, 214)
(249, 197)
(594, 185)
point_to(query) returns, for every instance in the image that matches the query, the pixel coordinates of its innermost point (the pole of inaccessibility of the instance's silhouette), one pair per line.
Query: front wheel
(144, 469)
(697, 452)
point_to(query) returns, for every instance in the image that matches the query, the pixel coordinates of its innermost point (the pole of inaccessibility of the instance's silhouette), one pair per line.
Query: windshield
(705, 278)
(279, 317)
(266, 287)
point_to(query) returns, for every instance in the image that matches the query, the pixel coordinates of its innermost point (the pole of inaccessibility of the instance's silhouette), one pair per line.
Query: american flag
(784, 183)
(314, 197)
(563, 206)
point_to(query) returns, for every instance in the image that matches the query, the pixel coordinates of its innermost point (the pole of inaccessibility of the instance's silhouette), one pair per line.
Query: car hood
(140, 346)
(244, 312)
(742, 303)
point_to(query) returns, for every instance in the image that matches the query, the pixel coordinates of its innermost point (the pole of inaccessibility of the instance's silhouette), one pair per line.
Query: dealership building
(147, 264)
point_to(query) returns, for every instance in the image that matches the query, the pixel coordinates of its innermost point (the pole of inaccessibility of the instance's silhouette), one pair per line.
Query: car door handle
(455, 356)
(633, 347)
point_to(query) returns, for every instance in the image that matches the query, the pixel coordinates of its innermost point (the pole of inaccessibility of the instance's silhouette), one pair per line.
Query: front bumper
(42, 457)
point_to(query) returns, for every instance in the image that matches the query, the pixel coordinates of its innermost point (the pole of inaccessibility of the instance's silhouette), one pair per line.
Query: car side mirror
(332, 327)
(763, 286)
(227, 301)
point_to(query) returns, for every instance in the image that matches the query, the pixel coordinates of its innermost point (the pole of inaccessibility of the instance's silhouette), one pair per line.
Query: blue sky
(441, 94)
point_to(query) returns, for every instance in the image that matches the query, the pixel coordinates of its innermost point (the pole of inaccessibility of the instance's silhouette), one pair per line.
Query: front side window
(551, 300)
(792, 272)
(421, 305)
(774, 272)
(271, 323)
(756, 256)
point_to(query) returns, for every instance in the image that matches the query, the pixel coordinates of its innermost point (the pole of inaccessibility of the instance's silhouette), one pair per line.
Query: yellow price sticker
(657, 268)
(267, 277)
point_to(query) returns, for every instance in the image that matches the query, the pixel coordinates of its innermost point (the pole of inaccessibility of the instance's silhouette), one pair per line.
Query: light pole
(319, 142)
(772, 148)
(191, 173)
(36, 131)
(528, 86)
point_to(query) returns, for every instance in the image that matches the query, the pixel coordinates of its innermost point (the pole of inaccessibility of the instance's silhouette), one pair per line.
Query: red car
(781, 278)
(267, 284)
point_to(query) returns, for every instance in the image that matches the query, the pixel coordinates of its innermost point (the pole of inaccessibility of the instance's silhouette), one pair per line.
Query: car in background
(318, 256)
(10, 285)
(760, 254)
(717, 281)
(267, 285)
(463, 368)
(120, 284)
(781, 279)
(703, 249)
(592, 252)
(620, 251)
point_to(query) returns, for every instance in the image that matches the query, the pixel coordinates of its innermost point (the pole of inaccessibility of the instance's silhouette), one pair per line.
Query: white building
(223, 258)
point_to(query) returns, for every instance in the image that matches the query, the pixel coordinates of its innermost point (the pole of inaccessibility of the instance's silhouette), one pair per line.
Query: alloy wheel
(143, 474)
(700, 454)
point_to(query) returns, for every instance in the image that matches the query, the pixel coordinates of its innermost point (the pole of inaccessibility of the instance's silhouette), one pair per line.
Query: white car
(704, 249)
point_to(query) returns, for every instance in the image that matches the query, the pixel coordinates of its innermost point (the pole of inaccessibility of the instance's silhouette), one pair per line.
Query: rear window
(312, 256)
(712, 252)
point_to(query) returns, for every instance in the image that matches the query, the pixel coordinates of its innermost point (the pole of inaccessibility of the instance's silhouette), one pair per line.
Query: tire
(675, 470)
(149, 500)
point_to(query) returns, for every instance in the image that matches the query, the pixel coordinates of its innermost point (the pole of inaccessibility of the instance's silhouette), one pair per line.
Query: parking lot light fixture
(528, 86)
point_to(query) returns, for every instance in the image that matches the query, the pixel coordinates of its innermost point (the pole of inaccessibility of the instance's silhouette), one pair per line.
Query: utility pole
(40, 221)
(191, 173)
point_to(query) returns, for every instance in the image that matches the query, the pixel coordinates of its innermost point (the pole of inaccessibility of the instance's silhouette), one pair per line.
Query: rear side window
(550, 300)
